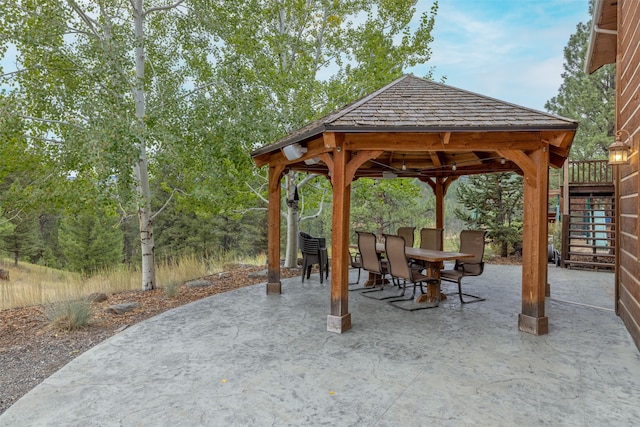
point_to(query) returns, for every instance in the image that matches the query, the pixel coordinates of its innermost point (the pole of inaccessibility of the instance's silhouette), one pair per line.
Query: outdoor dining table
(433, 260)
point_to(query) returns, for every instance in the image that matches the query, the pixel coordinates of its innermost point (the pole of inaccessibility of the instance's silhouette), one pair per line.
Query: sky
(511, 50)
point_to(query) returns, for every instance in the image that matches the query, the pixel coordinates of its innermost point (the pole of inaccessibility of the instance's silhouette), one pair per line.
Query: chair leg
(416, 308)
(357, 281)
(475, 297)
(393, 279)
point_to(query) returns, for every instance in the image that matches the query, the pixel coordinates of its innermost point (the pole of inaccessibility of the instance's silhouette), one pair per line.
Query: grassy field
(31, 284)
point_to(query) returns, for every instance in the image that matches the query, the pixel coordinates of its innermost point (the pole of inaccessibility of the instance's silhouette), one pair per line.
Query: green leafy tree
(384, 205)
(286, 63)
(101, 88)
(91, 241)
(589, 99)
(493, 202)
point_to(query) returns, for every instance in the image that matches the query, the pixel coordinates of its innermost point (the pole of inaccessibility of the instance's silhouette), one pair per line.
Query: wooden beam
(534, 243)
(525, 163)
(333, 139)
(314, 149)
(274, 285)
(339, 320)
(436, 159)
(357, 161)
(420, 142)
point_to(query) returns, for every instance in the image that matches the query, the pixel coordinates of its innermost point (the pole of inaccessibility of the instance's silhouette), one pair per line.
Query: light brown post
(534, 244)
(274, 286)
(440, 185)
(340, 319)
(440, 193)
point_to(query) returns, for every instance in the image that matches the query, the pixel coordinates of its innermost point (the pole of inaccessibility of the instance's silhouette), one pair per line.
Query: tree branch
(166, 7)
(175, 190)
(317, 214)
(257, 193)
(91, 23)
(50, 121)
(306, 180)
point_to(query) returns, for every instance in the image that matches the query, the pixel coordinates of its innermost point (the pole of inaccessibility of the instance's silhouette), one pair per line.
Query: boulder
(97, 297)
(122, 308)
(258, 274)
(198, 283)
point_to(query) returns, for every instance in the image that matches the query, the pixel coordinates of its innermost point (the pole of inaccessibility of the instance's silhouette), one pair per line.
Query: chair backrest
(368, 254)
(472, 242)
(309, 244)
(395, 249)
(407, 233)
(431, 238)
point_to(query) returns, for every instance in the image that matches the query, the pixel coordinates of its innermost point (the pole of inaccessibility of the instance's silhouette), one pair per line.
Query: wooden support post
(534, 242)
(274, 286)
(440, 185)
(340, 319)
(440, 191)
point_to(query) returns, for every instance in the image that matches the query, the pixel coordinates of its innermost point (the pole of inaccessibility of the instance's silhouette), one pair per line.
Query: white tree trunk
(291, 255)
(140, 168)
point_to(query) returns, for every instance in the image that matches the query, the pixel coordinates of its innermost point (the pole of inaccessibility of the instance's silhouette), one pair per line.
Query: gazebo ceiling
(419, 128)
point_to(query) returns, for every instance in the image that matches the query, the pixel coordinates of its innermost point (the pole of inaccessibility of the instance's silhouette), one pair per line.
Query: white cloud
(510, 50)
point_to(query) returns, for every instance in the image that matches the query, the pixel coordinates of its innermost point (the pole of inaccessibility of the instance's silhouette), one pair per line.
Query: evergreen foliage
(493, 202)
(589, 99)
(91, 242)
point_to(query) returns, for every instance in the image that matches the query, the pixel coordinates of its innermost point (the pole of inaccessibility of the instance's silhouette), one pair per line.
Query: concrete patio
(247, 359)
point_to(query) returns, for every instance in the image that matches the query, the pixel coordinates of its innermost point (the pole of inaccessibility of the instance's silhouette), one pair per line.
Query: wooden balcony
(589, 177)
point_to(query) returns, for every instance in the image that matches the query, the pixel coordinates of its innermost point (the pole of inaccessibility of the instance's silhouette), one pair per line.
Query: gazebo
(416, 128)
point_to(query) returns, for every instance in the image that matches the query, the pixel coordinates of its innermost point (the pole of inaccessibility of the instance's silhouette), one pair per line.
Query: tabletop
(429, 255)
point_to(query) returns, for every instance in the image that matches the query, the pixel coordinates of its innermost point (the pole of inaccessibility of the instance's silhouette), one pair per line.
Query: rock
(198, 283)
(258, 274)
(4, 274)
(97, 297)
(122, 308)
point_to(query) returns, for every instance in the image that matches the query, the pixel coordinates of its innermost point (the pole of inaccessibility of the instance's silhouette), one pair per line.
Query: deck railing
(590, 172)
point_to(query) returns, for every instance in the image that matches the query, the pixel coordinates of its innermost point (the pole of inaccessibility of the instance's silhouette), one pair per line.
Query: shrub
(69, 315)
(171, 289)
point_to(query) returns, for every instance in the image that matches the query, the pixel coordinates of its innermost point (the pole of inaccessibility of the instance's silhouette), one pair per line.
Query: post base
(533, 325)
(274, 288)
(339, 324)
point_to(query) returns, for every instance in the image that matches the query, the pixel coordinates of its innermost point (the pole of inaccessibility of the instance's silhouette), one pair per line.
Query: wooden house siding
(628, 119)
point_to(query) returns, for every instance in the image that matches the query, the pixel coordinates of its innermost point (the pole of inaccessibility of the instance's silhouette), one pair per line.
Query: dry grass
(31, 284)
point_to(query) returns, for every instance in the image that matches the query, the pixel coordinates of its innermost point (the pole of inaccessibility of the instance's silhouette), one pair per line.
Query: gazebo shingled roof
(427, 127)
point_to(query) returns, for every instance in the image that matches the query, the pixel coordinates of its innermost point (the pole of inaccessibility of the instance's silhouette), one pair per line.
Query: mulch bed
(31, 349)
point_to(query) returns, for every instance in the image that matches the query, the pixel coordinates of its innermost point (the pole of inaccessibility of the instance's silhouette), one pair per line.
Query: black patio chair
(314, 251)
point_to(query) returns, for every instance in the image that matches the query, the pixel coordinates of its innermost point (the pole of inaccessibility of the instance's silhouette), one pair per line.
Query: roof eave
(601, 48)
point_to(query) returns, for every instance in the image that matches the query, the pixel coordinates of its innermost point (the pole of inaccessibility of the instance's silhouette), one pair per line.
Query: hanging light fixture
(454, 166)
(619, 150)
(404, 165)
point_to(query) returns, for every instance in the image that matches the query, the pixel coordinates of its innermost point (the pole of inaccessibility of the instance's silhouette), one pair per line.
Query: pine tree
(493, 203)
(91, 242)
(589, 99)
(21, 239)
